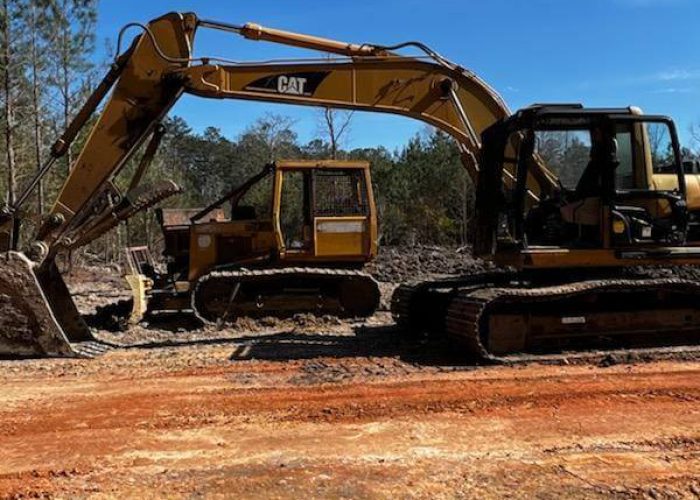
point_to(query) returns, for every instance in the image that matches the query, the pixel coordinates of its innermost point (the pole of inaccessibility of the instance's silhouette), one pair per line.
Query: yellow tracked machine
(572, 200)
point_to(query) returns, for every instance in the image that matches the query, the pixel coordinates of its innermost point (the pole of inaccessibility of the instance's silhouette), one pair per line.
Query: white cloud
(672, 90)
(677, 75)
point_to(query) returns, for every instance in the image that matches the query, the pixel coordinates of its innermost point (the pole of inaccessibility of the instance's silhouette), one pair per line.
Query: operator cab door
(342, 215)
(325, 213)
(293, 213)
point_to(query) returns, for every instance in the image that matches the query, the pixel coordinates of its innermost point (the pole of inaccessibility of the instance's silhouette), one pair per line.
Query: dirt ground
(323, 408)
(343, 416)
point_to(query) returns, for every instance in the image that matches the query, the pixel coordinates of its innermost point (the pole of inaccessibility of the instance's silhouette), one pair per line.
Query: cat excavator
(570, 200)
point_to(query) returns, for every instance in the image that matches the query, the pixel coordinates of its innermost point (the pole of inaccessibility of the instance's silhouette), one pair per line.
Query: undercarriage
(501, 317)
(223, 295)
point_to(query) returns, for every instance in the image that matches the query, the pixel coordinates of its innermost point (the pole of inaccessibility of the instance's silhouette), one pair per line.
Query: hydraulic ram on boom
(145, 83)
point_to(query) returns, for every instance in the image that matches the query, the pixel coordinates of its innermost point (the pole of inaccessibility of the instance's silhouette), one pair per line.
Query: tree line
(46, 70)
(422, 192)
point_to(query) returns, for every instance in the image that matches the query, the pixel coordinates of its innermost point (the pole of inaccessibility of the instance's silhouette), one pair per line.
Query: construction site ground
(317, 407)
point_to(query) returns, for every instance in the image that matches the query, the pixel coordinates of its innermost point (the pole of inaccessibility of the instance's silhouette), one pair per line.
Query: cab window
(661, 148)
(624, 174)
(565, 153)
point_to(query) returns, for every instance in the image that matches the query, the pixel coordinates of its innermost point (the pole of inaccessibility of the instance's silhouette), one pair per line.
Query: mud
(401, 264)
(17, 324)
(27, 325)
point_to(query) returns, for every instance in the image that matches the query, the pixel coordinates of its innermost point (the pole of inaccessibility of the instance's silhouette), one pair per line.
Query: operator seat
(590, 183)
(584, 207)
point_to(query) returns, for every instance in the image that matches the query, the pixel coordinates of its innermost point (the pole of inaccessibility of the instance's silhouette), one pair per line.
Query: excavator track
(421, 306)
(401, 301)
(227, 294)
(526, 323)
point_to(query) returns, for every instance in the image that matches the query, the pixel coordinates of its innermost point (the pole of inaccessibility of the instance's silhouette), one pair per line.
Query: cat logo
(294, 84)
(291, 85)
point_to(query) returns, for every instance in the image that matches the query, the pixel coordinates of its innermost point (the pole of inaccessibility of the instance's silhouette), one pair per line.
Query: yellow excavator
(571, 200)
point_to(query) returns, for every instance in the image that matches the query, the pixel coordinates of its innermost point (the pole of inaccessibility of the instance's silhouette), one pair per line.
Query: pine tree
(39, 18)
(11, 67)
(75, 40)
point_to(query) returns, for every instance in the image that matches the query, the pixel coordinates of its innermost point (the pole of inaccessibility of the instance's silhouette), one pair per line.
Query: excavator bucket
(37, 315)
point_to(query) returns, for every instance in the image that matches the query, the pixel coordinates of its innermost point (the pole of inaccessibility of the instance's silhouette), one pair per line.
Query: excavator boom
(38, 315)
(433, 91)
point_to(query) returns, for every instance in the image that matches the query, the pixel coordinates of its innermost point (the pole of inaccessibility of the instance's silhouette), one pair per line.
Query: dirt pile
(680, 272)
(409, 263)
(400, 264)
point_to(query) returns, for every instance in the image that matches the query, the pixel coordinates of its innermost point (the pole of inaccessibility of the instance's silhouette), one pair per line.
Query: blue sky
(600, 52)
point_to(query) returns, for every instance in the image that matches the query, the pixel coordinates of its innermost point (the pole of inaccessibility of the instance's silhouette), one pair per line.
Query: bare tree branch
(336, 125)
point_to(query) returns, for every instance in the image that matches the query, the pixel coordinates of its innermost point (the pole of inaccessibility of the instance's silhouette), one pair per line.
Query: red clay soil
(265, 420)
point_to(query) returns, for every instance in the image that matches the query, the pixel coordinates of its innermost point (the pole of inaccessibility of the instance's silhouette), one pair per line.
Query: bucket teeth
(91, 349)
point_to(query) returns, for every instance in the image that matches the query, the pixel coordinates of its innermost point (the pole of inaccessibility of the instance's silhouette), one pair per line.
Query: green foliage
(423, 194)
(46, 70)
(565, 153)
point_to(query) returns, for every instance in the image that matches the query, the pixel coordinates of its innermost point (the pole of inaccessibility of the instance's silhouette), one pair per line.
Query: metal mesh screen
(339, 193)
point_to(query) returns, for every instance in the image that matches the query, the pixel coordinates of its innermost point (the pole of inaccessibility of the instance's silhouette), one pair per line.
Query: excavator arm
(159, 68)
(146, 81)
(450, 100)
(141, 98)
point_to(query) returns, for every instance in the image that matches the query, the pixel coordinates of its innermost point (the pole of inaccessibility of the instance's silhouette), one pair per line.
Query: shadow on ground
(329, 341)
(364, 342)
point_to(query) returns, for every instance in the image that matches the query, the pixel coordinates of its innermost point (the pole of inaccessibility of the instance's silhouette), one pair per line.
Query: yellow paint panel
(342, 236)
(553, 258)
(339, 244)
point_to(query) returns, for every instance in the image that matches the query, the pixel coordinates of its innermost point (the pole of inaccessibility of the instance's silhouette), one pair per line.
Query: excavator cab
(578, 245)
(608, 205)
